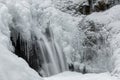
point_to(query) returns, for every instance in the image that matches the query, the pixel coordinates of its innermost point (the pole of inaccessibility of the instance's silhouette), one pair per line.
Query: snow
(106, 17)
(14, 68)
(78, 76)
(108, 24)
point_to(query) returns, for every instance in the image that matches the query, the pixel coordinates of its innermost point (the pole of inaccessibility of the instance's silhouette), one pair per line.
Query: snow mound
(14, 68)
(79, 76)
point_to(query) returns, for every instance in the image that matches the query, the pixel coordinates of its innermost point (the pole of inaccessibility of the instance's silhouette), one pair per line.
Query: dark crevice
(21, 49)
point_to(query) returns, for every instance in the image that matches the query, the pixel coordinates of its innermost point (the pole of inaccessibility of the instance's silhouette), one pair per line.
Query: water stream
(42, 54)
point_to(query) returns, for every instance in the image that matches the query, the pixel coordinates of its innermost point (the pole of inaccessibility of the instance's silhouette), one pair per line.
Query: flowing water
(42, 54)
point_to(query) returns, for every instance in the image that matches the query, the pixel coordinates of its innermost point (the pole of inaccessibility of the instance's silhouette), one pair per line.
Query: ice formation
(49, 40)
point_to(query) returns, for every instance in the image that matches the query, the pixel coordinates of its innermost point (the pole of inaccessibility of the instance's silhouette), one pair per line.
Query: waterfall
(42, 53)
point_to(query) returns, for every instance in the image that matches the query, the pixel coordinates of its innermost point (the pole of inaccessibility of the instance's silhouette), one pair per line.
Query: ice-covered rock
(103, 26)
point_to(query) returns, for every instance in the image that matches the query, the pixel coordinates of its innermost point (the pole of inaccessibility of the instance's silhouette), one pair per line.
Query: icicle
(27, 51)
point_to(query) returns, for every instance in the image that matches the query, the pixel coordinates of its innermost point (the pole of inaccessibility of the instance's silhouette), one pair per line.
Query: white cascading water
(46, 57)
(56, 62)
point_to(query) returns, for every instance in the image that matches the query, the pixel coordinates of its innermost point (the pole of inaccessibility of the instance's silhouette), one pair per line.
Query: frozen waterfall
(43, 54)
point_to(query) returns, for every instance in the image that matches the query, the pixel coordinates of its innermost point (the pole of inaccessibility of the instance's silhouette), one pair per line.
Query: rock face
(90, 6)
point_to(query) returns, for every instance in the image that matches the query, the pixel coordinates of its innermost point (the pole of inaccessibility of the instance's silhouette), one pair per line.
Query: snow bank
(14, 68)
(79, 76)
